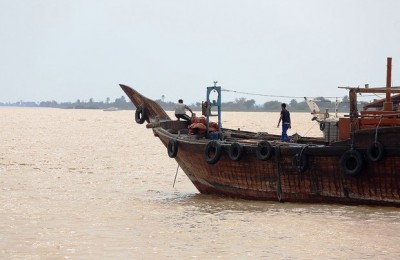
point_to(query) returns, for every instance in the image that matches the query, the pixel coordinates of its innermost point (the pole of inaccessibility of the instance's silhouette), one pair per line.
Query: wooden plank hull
(276, 179)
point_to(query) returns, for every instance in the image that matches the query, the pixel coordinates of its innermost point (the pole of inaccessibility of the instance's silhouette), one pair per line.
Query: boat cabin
(381, 113)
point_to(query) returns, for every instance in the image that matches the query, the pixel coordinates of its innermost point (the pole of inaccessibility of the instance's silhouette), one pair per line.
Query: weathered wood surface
(152, 109)
(323, 181)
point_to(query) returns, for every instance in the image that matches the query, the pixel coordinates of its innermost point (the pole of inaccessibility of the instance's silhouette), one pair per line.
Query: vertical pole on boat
(388, 105)
(354, 120)
(219, 107)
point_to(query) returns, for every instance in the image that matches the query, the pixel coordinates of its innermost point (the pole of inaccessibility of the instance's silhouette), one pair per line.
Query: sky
(65, 50)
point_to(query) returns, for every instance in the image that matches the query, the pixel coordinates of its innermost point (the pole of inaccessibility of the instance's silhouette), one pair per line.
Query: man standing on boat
(285, 118)
(180, 110)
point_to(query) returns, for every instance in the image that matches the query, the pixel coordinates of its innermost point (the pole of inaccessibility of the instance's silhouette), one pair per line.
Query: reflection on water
(93, 184)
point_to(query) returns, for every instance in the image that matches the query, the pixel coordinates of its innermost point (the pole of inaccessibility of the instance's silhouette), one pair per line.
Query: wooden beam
(374, 90)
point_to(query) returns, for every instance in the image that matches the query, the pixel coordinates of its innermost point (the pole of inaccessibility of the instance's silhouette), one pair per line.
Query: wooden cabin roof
(379, 103)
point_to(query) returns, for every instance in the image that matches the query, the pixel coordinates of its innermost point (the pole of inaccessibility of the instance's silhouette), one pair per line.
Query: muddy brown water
(91, 184)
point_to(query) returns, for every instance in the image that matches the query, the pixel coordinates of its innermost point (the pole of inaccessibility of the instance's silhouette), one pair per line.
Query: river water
(91, 184)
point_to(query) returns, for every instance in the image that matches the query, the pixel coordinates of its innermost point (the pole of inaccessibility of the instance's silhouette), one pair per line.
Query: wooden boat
(358, 163)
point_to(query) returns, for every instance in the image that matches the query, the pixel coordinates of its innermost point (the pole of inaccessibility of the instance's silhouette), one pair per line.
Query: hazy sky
(79, 49)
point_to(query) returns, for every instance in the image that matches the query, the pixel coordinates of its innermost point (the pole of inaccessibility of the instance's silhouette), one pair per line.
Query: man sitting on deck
(180, 111)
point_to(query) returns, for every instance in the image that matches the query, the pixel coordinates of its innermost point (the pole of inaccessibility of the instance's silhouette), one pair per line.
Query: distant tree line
(243, 104)
(239, 104)
(120, 103)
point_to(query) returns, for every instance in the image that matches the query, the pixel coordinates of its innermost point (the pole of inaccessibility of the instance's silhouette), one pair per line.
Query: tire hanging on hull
(264, 150)
(212, 152)
(172, 148)
(235, 151)
(300, 162)
(351, 162)
(140, 115)
(375, 151)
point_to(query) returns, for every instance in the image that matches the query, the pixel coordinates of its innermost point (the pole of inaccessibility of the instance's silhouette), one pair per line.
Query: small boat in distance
(111, 109)
(357, 161)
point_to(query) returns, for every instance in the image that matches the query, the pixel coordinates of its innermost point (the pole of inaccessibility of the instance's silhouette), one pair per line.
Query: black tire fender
(212, 152)
(264, 150)
(172, 148)
(375, 151)
(351, 162)
(300, 162)
(322, 126)
(235, 151)
(140, 115)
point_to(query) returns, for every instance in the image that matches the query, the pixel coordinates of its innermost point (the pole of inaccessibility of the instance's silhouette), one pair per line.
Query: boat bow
(146, 109)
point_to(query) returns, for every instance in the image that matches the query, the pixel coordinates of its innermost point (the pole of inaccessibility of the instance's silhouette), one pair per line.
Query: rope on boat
(276, 96)
(175, 176)
(310, 128)
(376, 130)
(265, 95)
(300, 156)
(352, 141)
(278, 167)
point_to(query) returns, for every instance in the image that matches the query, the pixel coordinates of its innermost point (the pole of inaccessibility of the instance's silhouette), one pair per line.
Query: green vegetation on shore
(240, 104)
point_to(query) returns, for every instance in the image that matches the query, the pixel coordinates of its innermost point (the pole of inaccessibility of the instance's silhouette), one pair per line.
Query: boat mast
(354, 124)
(388, 105)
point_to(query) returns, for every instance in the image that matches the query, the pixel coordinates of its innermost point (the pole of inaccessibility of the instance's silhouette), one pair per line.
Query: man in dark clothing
(285, 118)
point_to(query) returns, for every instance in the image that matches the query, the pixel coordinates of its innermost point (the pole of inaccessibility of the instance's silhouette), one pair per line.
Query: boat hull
(309, 170)
(276, 179)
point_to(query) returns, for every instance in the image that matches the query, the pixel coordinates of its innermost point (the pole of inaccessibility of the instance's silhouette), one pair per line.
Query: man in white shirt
(180, 110)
